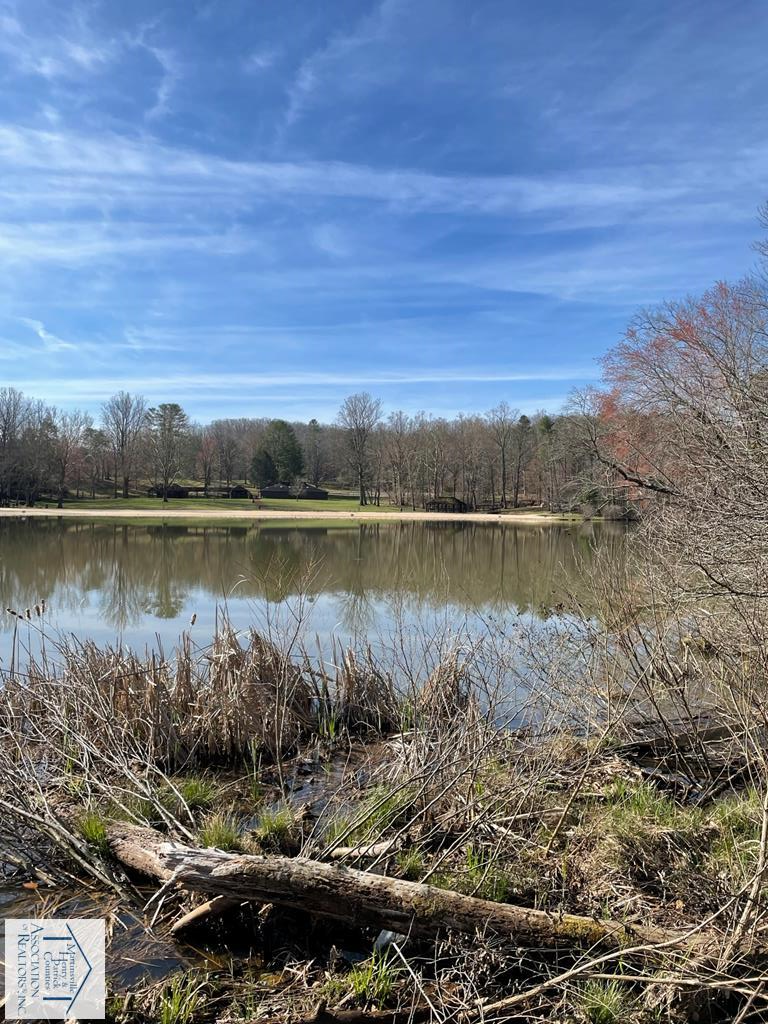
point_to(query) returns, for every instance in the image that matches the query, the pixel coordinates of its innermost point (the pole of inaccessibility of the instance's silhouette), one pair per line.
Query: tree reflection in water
(106, 580)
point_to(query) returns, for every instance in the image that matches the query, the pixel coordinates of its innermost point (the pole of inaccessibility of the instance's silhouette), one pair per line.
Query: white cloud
(331, 240)
(115, 167)
(259, 60)
(192, 384)
(313, 71)
(307, 394)
(171, 76)
(51, 342)
(53, 55)
(81, 242)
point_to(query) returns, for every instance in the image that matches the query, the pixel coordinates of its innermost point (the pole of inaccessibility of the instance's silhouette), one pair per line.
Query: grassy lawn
(333, 504)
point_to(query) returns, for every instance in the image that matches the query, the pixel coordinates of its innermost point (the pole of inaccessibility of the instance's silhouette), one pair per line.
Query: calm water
(141, 584)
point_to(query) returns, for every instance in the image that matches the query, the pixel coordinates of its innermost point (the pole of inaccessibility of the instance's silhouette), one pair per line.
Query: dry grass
(546, 797)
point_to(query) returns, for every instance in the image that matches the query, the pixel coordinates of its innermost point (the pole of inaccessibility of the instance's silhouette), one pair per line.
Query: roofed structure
(276, 491)
(315, 493)
(446, 504)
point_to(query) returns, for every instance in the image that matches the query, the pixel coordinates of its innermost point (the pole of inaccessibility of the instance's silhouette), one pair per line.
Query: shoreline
(527, 519)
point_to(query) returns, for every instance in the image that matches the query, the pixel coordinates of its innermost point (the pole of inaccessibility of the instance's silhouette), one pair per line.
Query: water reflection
(132, 581)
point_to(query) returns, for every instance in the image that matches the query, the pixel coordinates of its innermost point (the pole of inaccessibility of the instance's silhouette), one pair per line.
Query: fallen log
(364, 899)
(138, 849)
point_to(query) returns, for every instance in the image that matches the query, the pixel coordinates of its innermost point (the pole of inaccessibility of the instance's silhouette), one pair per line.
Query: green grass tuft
(411, 864)
(606, 1002)
(373, 981)
(734, 851)
(640, 806)
(198, 792)
(181, 1000)
(275, 827)
(378, 813)
(93, 829)
(485, 877)
(220, 830)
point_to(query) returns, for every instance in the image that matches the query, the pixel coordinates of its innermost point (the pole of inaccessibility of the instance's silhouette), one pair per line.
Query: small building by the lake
(174, 491)
(276, 491)
(309, 491)
(446, 504)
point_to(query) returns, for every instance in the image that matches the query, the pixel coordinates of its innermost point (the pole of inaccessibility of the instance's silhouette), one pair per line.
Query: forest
(499, 459)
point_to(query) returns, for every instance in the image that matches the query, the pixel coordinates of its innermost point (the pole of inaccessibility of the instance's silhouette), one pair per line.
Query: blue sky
(256, 207)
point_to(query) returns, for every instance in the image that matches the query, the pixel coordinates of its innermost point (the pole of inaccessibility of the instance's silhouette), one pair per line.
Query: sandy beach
(256, 515)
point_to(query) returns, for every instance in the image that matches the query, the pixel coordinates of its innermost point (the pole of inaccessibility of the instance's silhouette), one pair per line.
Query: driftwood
(323, 1015)
(206, 912)
(368, 851)
(364, 899)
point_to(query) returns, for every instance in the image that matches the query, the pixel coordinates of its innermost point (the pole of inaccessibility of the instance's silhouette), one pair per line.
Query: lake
(142, 584)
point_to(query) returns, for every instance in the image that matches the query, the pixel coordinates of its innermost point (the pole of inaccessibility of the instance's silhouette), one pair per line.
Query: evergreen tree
(263, 470)
(284, 448)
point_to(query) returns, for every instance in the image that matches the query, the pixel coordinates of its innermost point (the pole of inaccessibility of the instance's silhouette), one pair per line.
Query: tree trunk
(368, 900)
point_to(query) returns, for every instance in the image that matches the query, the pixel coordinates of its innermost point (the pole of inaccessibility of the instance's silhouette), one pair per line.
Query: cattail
(193, 620)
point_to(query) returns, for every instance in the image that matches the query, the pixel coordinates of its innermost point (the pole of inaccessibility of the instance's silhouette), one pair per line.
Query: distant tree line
(496, 459)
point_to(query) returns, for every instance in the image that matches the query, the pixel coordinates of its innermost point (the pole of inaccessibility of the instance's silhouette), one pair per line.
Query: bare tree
(123, 418)
(96, 456)
(401, 455)
(359, 416)
(14, 411)
(68, 446)
(684, 418)
(501, 423)
(206, 457)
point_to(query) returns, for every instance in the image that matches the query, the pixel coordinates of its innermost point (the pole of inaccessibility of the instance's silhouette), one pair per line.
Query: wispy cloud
(51, 342)
(87, 242)
(247, 383)
(259, 60)
(171, 70)
(312, 72)
(116, 166)
(250, 188)
(171, 76)
(74, 52)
